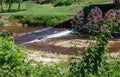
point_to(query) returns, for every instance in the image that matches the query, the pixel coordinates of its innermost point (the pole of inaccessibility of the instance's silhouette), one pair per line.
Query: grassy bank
(39, 10)
(32, 20)
(29, 8)
(48, 14)
(36, 14)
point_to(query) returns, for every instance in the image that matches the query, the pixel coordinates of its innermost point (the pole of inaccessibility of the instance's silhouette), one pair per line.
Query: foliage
(94, 60)
(78, 20)
(9, 3)
(95, 19)
(62, 2)
(10, 55)
(112, 67)
(38, 21)
(1, 23)
(117, 3)
(95, 15)
(13, 62)
(1, 5)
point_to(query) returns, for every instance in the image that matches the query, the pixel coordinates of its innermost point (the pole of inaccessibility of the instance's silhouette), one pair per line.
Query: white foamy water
(37, 31)
(60, 34)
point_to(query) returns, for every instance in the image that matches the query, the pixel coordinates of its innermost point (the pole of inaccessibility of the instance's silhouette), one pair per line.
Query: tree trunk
(9, 8)
(1, 7)
(117, 2)
(19, 5)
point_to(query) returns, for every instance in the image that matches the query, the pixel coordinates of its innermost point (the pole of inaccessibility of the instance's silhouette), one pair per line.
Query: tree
(116, 2)
(19, 5)
(1, 4)
(9, 3)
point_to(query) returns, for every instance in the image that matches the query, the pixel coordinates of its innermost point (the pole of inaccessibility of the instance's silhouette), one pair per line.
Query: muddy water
(114, 47)
(52, 48)
(19, 29)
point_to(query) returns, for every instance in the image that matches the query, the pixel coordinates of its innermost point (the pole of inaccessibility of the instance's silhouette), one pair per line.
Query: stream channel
(50, 39)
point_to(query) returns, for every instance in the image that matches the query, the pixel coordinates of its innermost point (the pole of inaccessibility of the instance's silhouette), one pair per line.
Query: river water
(29, 37)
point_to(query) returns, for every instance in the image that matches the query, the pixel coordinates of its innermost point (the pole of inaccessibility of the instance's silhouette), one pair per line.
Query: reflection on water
(19, 29)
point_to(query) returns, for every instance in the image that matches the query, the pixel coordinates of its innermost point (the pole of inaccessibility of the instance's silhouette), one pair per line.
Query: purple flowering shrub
(95, 20)
(95, 15)
(112, 18)
(110, 15)
(118, 14)
(78, 19)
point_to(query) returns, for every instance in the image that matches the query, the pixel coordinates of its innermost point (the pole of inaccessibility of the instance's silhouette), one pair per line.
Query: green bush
(38, 21)
(14, 64)
(11, 58)
(1, 23)
(62, 2)
(10, 55)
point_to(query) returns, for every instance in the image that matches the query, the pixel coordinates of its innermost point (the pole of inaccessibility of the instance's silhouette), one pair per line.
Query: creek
(49, 39)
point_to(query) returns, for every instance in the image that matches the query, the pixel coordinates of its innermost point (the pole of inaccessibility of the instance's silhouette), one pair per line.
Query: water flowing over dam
(59, 34)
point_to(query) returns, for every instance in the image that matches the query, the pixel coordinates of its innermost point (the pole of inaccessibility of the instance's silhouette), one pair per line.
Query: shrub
(78, 20)
(95, 20)
(10, 54)
(110, 15)
(95, 15)
(38, 21)
(94, 60)
(14, 64)
(11, 58)
(87, 24)
(62, 2)
(1, 23)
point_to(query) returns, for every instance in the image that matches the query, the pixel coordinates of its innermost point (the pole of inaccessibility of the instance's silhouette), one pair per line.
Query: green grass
(28, 8)
(40, 10)
(46, 11)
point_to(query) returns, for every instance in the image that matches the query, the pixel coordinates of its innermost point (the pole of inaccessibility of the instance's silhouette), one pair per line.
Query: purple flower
(110, 14)
(78, 19)
(118, 13)
(95, 15)
(102, 28)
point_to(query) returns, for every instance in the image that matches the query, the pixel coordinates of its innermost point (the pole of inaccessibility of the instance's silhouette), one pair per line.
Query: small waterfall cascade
(59, 34)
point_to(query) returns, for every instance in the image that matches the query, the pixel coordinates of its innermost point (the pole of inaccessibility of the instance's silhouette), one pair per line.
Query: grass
(50, 15)
(29, 8)
(40, 10)
(47, 11)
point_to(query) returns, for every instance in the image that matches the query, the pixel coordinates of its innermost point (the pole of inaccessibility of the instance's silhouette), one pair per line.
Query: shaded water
(19, 29)
(26, 34)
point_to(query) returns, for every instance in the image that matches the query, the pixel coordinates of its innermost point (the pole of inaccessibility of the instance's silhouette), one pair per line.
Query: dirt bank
(44, 57)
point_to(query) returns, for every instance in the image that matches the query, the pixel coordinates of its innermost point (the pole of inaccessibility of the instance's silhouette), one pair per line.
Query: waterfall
(60, 34)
